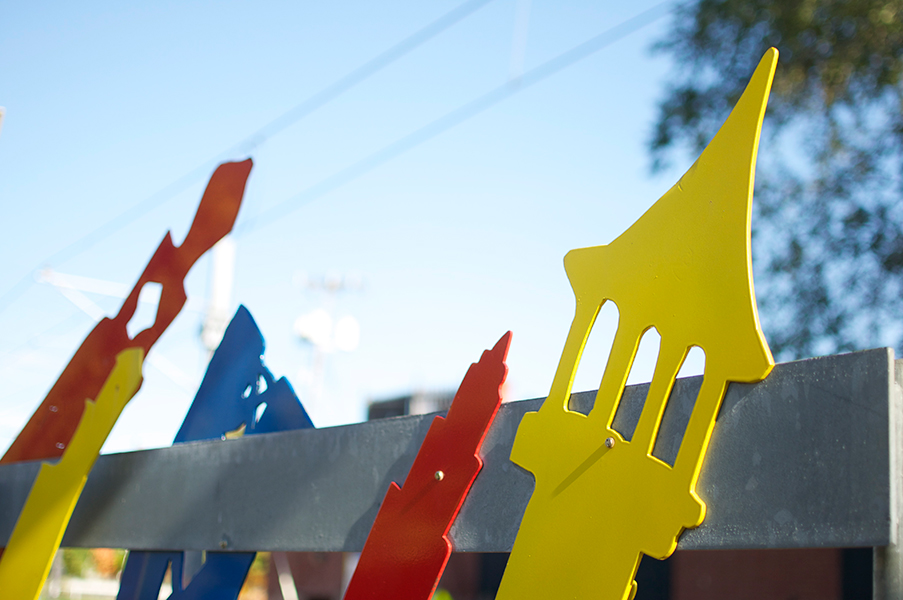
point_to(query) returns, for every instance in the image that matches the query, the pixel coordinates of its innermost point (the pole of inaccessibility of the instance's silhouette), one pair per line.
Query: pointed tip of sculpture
(236, 171)
(243, 313)
(745, 120)
(502, 346)
(760, 82)
(767, 66)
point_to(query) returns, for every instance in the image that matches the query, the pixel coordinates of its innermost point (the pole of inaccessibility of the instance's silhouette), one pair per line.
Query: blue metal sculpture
(238, 393)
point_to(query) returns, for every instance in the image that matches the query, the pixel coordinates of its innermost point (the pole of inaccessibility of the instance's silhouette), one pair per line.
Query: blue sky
(456, 241)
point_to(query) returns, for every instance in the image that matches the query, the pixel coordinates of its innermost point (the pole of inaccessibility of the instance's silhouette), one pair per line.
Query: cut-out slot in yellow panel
(35, 539)
(684, 267)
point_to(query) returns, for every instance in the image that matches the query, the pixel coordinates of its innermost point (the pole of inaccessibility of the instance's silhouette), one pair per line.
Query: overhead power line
(249, 143)
(456, 117)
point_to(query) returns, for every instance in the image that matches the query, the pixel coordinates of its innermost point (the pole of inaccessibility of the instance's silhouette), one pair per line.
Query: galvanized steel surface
(799, 460)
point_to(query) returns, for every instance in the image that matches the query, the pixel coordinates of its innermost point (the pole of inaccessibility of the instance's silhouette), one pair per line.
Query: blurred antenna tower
(319, 329)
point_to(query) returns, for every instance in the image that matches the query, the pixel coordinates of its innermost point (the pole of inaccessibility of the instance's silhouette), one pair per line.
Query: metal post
(887, 577)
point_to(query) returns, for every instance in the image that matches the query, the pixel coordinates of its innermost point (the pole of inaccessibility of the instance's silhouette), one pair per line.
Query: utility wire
(251, 142)
(456, 117)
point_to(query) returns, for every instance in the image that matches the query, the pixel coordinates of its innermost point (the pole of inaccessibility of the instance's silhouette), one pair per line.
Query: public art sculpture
(602, 501)
(51, 430)
(238, 394)
(408, 546)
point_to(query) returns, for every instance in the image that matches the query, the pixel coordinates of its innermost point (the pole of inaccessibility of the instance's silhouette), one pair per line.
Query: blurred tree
(828, 222)
(77, 562)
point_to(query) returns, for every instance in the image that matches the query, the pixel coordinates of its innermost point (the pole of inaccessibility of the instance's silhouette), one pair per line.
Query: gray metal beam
(799, 460)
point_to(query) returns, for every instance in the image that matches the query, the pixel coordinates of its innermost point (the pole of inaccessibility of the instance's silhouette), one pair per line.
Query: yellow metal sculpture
(684, 267)
(26, 562)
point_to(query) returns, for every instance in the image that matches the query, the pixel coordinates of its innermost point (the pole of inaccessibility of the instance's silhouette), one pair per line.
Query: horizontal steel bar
(799, 460)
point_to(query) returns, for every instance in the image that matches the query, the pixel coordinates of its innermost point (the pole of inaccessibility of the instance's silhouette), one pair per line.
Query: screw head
(610, 442)
(439, 475)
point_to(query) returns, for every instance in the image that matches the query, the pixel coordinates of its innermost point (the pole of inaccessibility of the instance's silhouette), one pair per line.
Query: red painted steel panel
(408, 546)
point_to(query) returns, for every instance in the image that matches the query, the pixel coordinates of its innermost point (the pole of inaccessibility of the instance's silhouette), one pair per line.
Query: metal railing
(808, 458)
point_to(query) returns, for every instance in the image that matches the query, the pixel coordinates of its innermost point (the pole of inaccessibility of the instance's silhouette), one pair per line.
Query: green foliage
(77, 562)
(828, 221)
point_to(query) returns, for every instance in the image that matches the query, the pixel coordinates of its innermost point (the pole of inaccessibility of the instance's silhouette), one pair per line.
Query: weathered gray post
(888, 560)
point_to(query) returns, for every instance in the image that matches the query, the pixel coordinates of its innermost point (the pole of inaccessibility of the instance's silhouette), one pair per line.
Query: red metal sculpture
(52, 425)
(408, 546)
